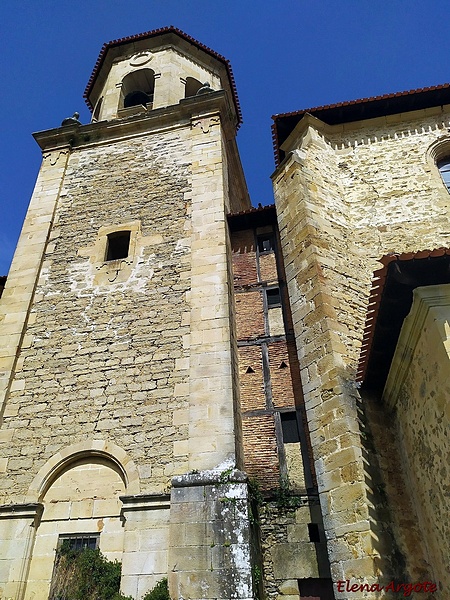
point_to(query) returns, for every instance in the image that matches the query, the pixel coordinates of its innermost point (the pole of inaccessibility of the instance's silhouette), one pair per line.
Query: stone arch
(138, 88)
(62, 460)
(438, 157)
(192, 86)
(80, 491)
(439, 149)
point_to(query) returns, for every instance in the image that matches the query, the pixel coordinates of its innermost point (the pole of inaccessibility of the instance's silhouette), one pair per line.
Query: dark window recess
(313, 530)
(273, 297)
(80, 542)
(192, 86)
(283, 365)
(249, 370)
(266, 243)
(444, 169)
(2, 284)
(118, 245)
(137, 98)
(316, 589)
(138, 88)
(290, 428)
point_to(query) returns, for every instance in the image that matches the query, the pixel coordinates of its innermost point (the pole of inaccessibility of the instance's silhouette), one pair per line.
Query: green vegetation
(88, 575)
(285, 499)
(255, 492)
(256, 500)
(159, 592)
(257, 575)
(85, 575)
(225, 475)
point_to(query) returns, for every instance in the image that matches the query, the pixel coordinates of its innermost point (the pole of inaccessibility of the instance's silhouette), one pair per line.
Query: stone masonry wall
(423, 421)
(346, 197)
(85, 331)
(133, 357)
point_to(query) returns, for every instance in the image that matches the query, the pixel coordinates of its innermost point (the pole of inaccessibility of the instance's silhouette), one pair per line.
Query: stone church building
(251, 402)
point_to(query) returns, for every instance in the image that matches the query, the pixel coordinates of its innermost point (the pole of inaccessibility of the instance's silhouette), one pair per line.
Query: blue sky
(286, 55)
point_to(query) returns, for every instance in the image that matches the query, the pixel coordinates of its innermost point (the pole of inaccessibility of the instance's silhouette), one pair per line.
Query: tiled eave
(389, 303)
(252, 218)
(358, 110)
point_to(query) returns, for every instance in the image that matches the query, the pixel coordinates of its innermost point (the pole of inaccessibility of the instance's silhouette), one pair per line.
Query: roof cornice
(383, 323)
(169, 117)
(359, 110)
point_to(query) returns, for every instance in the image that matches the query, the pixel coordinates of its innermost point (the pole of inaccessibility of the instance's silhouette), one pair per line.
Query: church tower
(118, 351)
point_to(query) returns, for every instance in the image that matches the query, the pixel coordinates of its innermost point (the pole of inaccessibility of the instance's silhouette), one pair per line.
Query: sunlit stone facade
(178, 370)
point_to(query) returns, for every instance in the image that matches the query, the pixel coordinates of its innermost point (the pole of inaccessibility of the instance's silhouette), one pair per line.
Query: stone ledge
(21, 511)
(144, 502)
(210, 478)
(76, 136)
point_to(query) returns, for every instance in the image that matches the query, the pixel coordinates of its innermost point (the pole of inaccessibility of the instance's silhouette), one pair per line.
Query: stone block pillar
(18, 524)
(210, 549)
(146, 533)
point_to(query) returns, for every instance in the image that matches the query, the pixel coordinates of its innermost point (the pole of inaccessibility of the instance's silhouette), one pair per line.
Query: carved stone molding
(205, 124)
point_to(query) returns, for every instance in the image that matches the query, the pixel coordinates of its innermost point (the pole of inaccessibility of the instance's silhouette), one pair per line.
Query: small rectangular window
(266, 242)
(290, 428)
(65, 571)
(314, 533)
(79, 542)
(273, 297)
(118, 245)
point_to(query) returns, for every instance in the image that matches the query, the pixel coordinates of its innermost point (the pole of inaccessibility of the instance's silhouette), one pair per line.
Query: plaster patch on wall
(83, 275)
(182, 247)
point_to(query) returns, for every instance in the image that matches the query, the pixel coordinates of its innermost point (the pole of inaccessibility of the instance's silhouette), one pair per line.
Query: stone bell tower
(118, 353)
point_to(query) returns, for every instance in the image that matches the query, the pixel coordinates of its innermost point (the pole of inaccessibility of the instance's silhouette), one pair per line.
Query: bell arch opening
(138, 89)
(191, 87)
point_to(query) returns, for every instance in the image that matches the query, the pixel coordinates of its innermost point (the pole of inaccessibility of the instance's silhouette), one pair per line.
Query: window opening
(79, 542)
(97, 110)
(313, 531)
(191, 87)
(77, 558)
(289, 428)
(283, 365)
(273, 297)
(266, 242)
(136, 98)
(138, 88)
(118, 245)
(249, 370)
(444, 169)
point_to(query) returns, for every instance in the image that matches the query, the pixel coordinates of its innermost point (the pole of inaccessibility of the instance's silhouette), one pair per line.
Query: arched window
(191, 87)
(138, 88)
(444, 169)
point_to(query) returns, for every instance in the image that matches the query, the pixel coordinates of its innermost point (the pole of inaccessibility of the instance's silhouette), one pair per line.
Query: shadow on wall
(394, 525)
